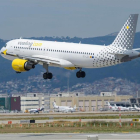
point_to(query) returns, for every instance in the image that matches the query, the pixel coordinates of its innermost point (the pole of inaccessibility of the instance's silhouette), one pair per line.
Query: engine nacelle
(21, 65)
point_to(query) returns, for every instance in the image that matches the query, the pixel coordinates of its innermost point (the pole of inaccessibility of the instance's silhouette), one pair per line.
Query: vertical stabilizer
(54, 104)
(108, 103)
(125, 38)
(74, 107)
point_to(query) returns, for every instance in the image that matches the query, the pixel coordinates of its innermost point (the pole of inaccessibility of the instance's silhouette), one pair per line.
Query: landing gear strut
(47, 75)
(80, 74)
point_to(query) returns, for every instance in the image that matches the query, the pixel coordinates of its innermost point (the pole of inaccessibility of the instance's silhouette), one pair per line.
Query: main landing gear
(47, 75)
(80, 74)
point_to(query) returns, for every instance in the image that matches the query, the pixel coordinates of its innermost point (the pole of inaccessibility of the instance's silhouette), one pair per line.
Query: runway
(65, 136)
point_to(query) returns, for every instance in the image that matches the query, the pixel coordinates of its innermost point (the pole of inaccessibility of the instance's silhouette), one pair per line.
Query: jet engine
(21, 65)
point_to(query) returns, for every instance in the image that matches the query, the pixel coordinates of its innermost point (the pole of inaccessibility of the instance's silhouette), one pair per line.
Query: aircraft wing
(44, 59)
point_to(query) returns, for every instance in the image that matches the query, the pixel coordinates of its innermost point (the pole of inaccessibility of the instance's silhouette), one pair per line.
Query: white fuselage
(79, 55)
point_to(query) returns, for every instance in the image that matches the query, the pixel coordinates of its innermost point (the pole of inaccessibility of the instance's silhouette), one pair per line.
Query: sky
(57, 18)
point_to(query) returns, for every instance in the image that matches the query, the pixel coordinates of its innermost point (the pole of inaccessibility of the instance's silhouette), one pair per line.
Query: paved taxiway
(59, 114)
(44, 136)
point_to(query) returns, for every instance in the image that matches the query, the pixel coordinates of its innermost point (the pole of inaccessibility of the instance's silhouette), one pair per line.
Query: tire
(78, 74)
(50, 75)
(83, 74)
(45, 76)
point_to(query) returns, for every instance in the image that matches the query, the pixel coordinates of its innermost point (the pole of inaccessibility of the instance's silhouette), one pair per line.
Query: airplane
(26, 53)
(121, 108)
(113, 108)
(64, 108)
(131, 108)
(136, 108)
(36, 110)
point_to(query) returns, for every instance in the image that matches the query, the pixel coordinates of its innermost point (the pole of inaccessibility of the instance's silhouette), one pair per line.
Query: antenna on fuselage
(20, 37)
(80, 42)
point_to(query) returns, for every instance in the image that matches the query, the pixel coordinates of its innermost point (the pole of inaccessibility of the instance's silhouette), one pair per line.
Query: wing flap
(45, 59)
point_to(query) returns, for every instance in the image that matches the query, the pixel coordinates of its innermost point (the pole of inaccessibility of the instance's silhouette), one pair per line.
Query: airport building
(135, 100)
(32, 101)
(88, 102)
(83, 102)
(10, 103)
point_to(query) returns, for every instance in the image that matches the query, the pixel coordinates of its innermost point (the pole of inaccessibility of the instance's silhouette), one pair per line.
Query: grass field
(68, 127)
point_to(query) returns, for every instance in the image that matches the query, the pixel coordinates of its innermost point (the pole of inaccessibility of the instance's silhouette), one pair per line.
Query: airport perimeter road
(68, 120)
(44, 136)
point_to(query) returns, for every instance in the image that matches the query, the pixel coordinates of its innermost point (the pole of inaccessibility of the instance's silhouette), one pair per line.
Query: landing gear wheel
(47, 75)
(50, 75)
(83, 74)
(80, 74)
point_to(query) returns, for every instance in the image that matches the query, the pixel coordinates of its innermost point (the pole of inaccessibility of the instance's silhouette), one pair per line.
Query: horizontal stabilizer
(137, 49)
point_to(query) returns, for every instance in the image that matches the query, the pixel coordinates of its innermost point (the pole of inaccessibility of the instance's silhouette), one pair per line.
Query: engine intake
(20, 65)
